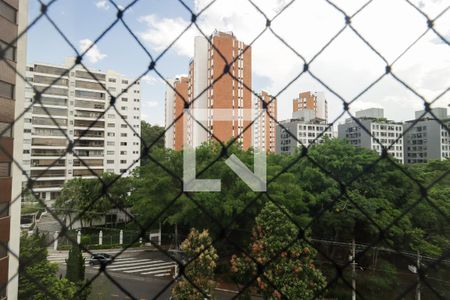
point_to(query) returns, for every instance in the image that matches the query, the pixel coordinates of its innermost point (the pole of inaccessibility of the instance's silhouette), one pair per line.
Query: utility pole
(176, 236)
(353, 260)
(418, 277)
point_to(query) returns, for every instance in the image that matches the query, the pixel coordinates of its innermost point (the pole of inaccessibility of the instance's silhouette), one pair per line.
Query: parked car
(100, 259)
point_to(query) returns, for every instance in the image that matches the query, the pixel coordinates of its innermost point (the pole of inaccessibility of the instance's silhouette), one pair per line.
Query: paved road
(143, 274)
(132, 265)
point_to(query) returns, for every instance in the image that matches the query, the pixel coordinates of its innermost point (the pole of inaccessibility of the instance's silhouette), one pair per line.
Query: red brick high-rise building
(312, 101)
(222, 103)
(175, 103)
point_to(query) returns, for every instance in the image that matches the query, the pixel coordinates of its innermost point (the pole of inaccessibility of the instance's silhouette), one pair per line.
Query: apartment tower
(427, 139)
(176, 97)
(221, 102)
(378, 132)
(13, 20)
(74, 106)
(265, 124)
(312, 101)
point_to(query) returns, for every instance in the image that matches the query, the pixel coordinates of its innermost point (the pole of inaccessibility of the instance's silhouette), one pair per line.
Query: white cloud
(102, 4)
(347, 66)
(94, 54)
(150, 104)
(150, 80)
(162, 31)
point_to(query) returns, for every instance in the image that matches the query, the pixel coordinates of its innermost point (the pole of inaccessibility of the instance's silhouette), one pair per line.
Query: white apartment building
(80, 105)
(381, 132)
(306, 133)
(427, 139)
(308, 125)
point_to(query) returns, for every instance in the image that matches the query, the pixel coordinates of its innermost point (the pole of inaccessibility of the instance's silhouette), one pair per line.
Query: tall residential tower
(312, 101)
(265, 124)
(220, 79)
(176, 97)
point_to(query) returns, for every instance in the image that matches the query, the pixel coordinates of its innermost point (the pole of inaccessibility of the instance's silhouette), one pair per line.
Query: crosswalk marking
(130, 265)
(161, 267)
(127, 262)
(62, 259)
(135, 266)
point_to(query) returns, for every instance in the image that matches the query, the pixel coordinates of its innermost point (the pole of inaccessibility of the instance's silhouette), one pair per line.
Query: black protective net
(332, 255)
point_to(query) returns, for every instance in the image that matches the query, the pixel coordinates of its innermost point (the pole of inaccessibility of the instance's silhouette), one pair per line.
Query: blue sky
(347, 65)
(82, 19)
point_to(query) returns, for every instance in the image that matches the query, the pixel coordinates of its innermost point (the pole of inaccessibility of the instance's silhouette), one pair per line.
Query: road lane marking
(164, 267)
(136, 266)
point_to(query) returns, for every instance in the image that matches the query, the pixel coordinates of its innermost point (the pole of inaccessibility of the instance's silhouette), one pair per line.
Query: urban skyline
(158, 23)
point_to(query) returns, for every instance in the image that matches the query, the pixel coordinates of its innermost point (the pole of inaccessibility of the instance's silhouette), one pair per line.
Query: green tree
(152, 136)
(38, 278)
(156, 188)
(93, 197)
(201, 258)
(75, 264)
(288, 262)
(76, 272)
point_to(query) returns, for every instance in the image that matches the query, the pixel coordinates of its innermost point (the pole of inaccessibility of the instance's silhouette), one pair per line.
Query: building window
(123, 161)
(10, 53)
(6, 90)
(123, 143)
(110, 162)
(8, 12)
(112, 80)
(123, 135)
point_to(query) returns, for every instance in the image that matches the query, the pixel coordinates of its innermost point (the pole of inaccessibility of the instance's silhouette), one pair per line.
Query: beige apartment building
(265, 124)
(13, 18)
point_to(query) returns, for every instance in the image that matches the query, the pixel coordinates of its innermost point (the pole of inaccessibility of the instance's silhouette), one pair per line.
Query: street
(135, 274)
